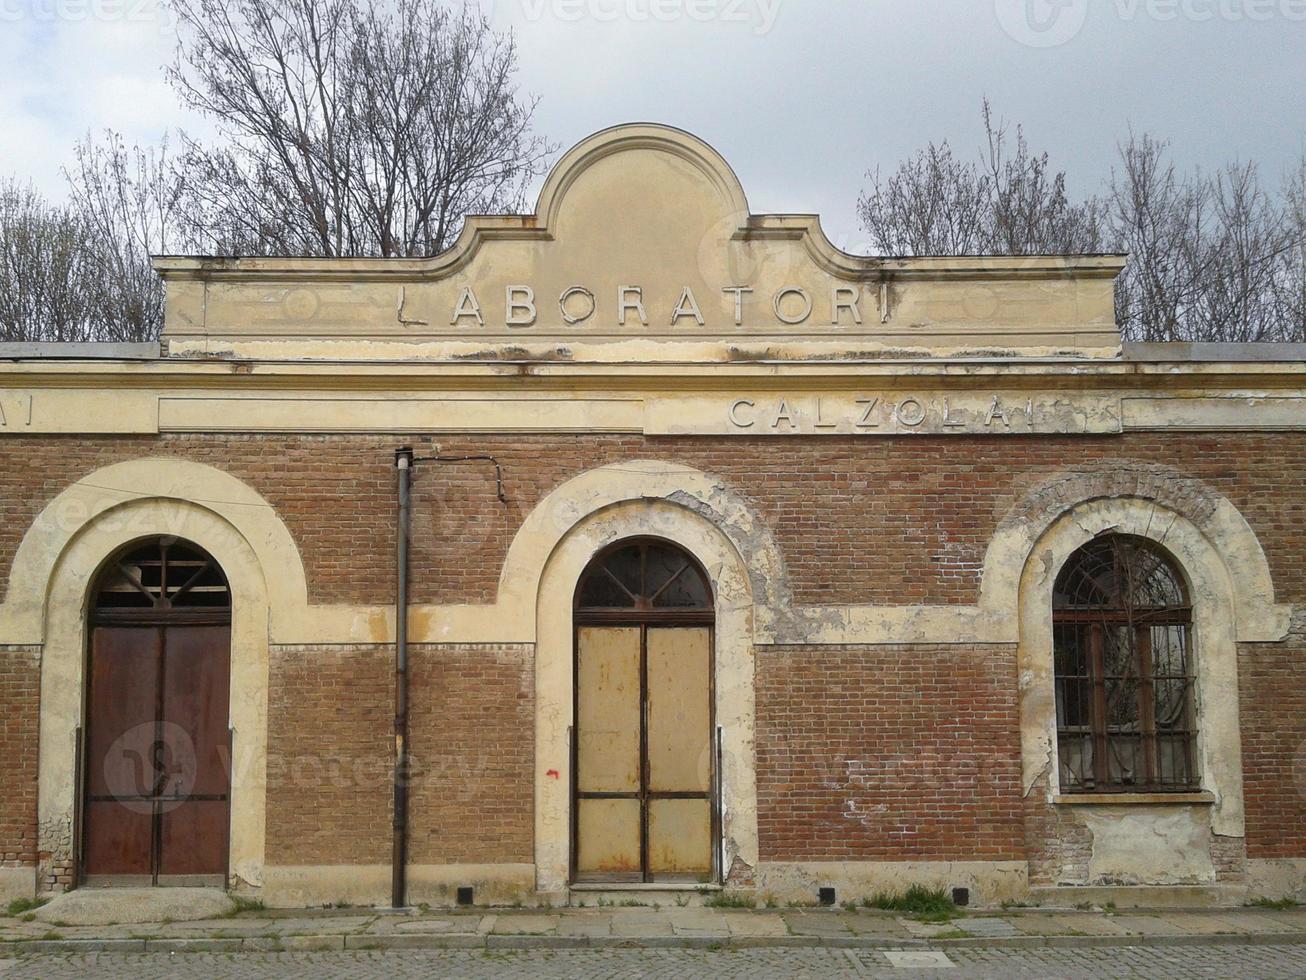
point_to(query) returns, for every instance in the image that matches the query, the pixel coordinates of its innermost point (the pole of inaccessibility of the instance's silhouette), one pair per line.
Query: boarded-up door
(644, 807)
(157, 749)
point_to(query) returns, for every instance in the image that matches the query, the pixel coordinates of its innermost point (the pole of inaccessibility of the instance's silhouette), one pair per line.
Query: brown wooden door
(645, 803)
(644, 806)
(157, 756)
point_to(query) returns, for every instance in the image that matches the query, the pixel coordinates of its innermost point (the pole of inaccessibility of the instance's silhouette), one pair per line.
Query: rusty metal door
(644, 808)
(157, 756)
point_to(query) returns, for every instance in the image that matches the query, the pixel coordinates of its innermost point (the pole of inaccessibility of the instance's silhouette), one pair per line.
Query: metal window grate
(161, 574)
(646, 575)
(1122, 648)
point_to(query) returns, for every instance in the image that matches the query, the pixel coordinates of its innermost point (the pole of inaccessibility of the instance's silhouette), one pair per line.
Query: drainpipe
(404, 463)
(399, 869)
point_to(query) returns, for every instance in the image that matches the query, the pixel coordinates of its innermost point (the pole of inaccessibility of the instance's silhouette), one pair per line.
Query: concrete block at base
(305, 886)
(990, 882)
(1140, 896)
(109, 906)
(1276, 878)
(17, 883)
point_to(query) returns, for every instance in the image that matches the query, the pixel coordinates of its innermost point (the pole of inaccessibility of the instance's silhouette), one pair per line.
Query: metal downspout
(399, 861)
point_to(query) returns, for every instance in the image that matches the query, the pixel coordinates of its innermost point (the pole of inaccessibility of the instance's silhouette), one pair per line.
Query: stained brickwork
(330, 745)
(872, 753)
(471, 726)
(1273, 716)
(886, 521)
(20, 700)
(888, 753)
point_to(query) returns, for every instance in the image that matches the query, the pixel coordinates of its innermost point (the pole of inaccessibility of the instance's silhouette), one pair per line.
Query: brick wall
(20, 697)
(330, 745)
(330, 748)
(472, 732)
(891, 521)
(888, 753)
(1273, 716)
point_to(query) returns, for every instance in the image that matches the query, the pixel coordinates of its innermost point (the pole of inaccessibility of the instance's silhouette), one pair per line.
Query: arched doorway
(156, 759)
(645, 798)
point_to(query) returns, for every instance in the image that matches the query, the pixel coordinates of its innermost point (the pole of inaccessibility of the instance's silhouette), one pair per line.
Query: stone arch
(63, 673)
(1214, 597)
(1161, 498)
(684, 487)
(100, 496)
(568, 539)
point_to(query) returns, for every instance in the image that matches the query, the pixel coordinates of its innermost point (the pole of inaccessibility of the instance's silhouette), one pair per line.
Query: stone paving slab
(821, 924)
(880, 926)
(525, 925)
(987, 927)
(642, 925)
(1147, 925)
(668, 928)
(592, 927)
(745, 924)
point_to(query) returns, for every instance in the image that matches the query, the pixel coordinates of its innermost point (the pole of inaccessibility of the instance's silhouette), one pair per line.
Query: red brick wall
(892, 521)
(472, 731)
(20, 699)
(1273, 716)
(330, 747)
(888, 753)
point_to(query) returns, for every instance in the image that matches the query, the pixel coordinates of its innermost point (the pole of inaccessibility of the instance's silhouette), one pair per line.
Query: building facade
(733, 561)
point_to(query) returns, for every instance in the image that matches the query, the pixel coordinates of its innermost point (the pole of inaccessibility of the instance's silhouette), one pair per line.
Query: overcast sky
(801, 96)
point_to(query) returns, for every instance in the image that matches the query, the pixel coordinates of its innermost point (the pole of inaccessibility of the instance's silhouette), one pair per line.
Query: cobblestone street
(1159, 963)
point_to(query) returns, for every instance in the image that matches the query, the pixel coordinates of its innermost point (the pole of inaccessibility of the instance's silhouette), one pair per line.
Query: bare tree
(1211, 257)
(1008, 201)
(348, 128)
(933, 204)
(1290, 278)
(1031, 212)
(45, 269)
(129, 201)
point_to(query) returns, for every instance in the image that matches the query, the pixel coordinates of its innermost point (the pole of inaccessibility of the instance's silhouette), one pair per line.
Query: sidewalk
(369, 929)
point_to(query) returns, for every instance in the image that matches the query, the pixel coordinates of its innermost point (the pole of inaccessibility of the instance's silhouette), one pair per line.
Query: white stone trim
(63, 664)
(591, 531)
(1215, 642)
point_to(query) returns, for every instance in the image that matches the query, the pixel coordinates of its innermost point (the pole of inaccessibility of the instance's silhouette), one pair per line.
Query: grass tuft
(239, 904)
(730, 900)
(926, 904)
(20, 905)
(1279, 905)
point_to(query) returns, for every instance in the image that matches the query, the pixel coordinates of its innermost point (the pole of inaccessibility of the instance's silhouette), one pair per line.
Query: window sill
(1132, 799)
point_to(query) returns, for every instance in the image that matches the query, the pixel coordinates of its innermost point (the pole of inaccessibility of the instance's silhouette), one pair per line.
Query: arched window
(160, 576)
(1122, 646)
(648, 576)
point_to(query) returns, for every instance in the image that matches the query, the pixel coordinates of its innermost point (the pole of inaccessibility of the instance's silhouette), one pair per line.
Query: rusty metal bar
(399, 857)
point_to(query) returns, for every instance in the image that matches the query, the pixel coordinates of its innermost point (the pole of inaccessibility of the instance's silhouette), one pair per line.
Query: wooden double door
(156, 754)
(644, 768)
